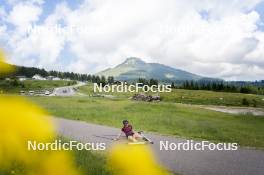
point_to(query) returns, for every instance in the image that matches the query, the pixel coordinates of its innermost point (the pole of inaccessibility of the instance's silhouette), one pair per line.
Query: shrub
(245, 102)
(254, 103)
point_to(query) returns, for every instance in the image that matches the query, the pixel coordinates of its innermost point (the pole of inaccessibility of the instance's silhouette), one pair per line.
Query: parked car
(31, 92)
(47, 92)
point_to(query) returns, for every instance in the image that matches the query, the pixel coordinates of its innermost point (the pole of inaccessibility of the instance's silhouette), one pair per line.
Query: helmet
(125, 121)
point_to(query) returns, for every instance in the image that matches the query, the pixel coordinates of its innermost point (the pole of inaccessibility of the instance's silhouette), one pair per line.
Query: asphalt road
(240, 162)
(66, 90)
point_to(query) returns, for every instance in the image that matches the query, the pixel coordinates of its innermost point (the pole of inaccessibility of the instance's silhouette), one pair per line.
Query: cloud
(3, 32)
(23, 14)
(2, 12)
(33, 44)
(14, 2)
(207, 37)
(256, 57)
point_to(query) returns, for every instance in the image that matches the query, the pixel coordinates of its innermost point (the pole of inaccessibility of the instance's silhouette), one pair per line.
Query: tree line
(256, 87)
(29, 72)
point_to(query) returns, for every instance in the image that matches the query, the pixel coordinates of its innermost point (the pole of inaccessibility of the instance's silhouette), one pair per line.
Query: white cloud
(44, 47)
(207, 37)
(23, 14)
(36, 48)
(2, 12)
(257, 55)
(14, 2)
(2, 31)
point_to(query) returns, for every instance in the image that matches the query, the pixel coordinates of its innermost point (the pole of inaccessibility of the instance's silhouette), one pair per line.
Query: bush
(245, 90)
(254, 103)
(245, 102)
(14, 83)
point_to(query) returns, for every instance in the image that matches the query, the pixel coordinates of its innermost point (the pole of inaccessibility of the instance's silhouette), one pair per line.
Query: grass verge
(200, 97)
(165, 118)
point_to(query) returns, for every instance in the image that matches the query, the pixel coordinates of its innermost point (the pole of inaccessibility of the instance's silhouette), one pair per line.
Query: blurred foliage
(4, 67)
(133, 159)
(20, 122)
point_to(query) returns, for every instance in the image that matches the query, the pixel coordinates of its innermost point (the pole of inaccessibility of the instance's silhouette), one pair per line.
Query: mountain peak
(133, 68)
(133, 61)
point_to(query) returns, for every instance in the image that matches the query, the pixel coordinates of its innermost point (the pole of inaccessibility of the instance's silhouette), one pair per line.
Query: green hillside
(134, 68)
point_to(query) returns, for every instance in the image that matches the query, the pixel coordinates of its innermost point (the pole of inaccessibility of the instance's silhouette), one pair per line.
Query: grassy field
(164, 117)
(8, 86)
(200, 97)
(91, 163)
(86, 162)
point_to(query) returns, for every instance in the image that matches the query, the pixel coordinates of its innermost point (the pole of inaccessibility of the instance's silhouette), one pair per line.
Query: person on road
(128, 130)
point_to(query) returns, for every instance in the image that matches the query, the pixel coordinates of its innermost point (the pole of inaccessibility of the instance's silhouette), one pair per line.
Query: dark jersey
(128, 130)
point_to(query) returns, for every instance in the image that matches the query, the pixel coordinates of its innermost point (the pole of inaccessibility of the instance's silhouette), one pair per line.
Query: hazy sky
(215, 38)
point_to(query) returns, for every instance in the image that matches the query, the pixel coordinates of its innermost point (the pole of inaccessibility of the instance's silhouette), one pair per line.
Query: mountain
(134, 68)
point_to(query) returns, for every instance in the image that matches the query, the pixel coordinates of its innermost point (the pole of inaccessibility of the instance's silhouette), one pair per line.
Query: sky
(213, 38)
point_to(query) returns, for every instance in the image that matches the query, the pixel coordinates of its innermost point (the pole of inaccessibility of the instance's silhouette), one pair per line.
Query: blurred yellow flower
(20, 122)
(4, 67)
(133, 160)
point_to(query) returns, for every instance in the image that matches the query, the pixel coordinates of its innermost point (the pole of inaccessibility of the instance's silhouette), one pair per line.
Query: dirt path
(240, 162)
(236, 110)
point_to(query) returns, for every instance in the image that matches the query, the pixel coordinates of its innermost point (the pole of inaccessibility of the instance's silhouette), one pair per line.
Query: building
(56, 78)
(38, 77)
(21, 78)
(53, 78)
(50, 77)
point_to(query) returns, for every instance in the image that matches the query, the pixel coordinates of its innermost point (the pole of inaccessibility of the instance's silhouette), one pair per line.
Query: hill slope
(134, 68)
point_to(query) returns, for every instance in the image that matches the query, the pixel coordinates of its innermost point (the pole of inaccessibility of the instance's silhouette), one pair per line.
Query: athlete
(128, 130)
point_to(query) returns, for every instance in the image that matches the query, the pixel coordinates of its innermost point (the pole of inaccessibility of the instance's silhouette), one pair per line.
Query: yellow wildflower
(4, 67)
(20, 122)
(133, 159)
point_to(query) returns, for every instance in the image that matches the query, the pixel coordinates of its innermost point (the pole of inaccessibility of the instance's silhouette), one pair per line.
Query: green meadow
(168, 118)
(86, 162)
(199, 97)
(91, 162)
(178, 114)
